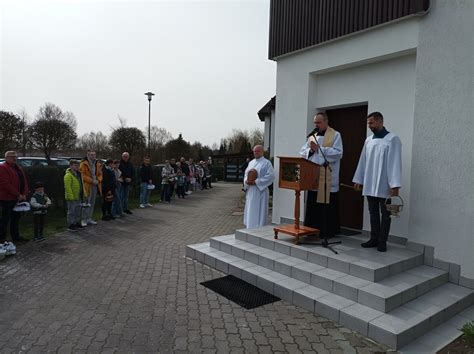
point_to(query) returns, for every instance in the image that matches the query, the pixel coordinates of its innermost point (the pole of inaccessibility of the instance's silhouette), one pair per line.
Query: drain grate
(240, 292)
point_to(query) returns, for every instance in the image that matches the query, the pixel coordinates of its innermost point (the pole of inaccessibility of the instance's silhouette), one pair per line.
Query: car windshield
(60, 162)
(26, 162)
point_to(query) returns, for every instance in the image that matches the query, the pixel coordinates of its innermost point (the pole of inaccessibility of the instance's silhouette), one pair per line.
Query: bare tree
(256, 137)
(96, 141)
(158, 137)
(241, 141)
(25, 139)
(11, 131)
(127, 139)
(53, 130)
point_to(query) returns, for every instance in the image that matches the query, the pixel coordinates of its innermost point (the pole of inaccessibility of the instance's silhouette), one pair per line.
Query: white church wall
(272, 134)
(442, 198)
(266, 133)
(388, 87)
(295, 85)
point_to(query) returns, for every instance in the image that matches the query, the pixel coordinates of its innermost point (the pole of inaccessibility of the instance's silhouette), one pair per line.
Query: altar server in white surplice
(378, 175)
(256, 191)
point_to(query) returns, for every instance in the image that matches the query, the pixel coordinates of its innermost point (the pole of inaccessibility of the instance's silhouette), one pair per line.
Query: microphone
(315, 130)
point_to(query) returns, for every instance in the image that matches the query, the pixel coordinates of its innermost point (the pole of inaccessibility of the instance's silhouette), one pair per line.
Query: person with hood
(74, 194)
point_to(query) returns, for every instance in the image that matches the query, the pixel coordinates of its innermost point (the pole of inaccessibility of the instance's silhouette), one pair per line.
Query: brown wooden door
(351, 122)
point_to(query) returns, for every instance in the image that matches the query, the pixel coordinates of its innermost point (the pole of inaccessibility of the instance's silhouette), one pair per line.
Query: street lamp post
(150, 95)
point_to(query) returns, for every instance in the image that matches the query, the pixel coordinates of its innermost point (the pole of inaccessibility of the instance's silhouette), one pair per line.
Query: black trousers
(316, 212)
(165, 192)
(379, 219)
(180, 190)
(9, 217)
(38, 220)
(106, 207)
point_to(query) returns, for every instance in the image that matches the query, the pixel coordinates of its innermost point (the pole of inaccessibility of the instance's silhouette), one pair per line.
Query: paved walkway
(125, 286)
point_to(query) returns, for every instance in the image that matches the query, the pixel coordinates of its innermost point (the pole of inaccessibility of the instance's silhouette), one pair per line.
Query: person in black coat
(126, 167)
(108, 189)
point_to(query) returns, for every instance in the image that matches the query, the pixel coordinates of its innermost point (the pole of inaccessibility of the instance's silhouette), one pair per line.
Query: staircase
(390, 297)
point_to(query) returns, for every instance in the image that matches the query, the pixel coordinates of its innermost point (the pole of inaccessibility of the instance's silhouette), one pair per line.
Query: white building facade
(418, 70)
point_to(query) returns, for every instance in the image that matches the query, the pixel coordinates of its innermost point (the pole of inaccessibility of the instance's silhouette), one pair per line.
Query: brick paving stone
(125, 286)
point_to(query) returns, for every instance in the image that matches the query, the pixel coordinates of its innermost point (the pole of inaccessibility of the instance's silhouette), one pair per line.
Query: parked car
(35, 161)
(60, 162)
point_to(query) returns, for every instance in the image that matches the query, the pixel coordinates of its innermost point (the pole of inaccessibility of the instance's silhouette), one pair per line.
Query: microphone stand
(324, 242)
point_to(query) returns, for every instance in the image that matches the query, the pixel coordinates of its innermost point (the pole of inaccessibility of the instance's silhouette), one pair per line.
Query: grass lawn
(56, 218)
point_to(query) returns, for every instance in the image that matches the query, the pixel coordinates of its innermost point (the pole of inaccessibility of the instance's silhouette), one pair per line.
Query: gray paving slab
(357, 317)
(305, 297)
(348, 286)
(284, 288)
(126, 286)
(330, 306)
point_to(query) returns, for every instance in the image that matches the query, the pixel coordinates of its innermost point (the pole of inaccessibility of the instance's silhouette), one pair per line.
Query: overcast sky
(205, 60)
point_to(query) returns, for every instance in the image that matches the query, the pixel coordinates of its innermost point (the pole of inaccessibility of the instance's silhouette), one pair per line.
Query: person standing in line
(146, 178)
(13, 189)
(109, 184)
(117, 210)
(126, 167)
(39, 204)
(74, 195)
(167, 173)
(91, 172)
(378, 176)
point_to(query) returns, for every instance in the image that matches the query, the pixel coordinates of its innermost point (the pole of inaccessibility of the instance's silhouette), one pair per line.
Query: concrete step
(396, 328)
(384, 296)
(440, 336)
(368, 264)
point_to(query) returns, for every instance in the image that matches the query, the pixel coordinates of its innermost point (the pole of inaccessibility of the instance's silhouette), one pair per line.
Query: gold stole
(328, 141)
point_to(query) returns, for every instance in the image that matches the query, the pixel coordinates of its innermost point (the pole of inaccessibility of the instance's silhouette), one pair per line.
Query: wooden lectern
(298, 174)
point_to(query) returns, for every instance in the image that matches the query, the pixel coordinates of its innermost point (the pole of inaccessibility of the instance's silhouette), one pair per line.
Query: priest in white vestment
(322, 212)
(378, 175)
(256, 192)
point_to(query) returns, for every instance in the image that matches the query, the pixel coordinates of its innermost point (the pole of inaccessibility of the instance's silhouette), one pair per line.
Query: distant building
(267, 115)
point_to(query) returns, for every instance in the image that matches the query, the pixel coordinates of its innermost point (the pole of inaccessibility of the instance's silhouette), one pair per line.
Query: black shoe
(106, 218)
(370, 244)
(72, 228)
(39, 239)
(127, 212)
(79, 226)
(382, 247)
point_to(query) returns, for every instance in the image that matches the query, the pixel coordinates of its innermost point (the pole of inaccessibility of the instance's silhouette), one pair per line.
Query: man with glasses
(322, 206)
(13, 189)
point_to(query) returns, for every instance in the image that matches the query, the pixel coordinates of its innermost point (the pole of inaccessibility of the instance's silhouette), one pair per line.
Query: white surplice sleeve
(305, 149)
(265, 177)
(394, 163)
(360, 170)
(334, 152)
